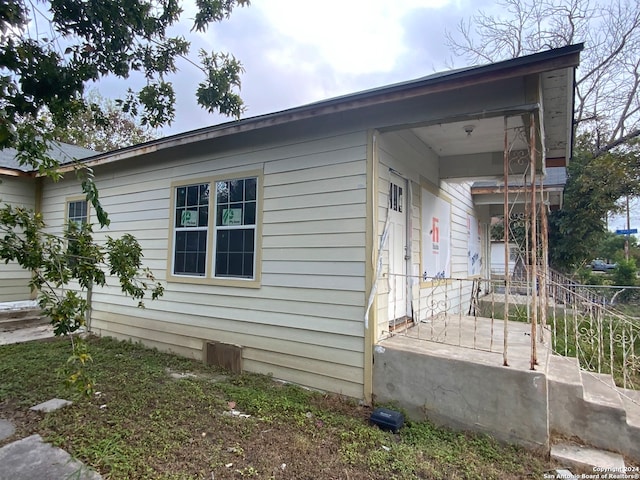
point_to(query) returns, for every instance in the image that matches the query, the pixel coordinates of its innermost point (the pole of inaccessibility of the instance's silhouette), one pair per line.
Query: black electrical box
(387, 419)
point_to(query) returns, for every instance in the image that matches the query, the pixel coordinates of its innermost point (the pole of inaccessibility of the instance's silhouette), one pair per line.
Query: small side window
(77, 212)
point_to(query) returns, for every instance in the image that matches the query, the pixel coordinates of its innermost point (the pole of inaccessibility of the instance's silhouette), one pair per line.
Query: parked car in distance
(602, 266)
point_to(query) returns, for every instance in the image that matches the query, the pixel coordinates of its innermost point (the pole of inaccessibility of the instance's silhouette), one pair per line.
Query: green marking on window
(231, 216)
(189, 218)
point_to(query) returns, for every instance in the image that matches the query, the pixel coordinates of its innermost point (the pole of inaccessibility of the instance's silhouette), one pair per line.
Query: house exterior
(19, 187)
(299, 239)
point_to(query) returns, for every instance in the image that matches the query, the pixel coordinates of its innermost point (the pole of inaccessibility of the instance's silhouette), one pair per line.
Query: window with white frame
(235, 228)
(77, 212)
(232, 227)
(191, 229)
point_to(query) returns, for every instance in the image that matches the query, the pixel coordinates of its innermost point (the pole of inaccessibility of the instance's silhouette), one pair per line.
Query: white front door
(397, 248)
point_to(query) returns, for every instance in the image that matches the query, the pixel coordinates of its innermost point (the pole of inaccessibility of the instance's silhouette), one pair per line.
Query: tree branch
(617, 142)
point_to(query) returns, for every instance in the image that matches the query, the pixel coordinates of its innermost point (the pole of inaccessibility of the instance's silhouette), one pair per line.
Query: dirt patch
(25, 421)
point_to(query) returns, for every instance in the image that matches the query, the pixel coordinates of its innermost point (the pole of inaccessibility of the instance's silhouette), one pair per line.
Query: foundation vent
(224, 355)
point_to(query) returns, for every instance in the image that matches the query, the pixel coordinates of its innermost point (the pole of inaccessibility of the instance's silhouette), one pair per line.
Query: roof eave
(566, 57)
(12, 172)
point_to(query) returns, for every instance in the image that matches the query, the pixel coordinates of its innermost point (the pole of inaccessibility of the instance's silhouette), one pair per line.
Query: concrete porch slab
(477, 339)
(465, 389)
(26, 334)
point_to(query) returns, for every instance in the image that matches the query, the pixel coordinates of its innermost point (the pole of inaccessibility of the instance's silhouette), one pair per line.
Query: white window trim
(70, 200)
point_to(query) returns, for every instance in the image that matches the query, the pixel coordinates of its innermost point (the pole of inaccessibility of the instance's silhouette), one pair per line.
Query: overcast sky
(296, 52)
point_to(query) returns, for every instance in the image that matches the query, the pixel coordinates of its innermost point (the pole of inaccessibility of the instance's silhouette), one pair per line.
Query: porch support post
(544, 296)
(534, 243)
(507, 274)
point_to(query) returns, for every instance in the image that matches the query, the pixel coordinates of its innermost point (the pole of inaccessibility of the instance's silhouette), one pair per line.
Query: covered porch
(451, 343)
(576, 375)
(458, 379)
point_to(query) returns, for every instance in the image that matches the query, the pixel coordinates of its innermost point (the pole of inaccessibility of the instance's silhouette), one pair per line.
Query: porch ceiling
(474, 137)
(470, 146)
(470, 137)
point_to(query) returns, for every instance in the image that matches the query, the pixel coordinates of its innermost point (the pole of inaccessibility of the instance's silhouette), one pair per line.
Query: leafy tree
(625, 275)
(103, 131)
(49, 53)
(47, 57)
(594, 185)
(612, 247)
(55, 261)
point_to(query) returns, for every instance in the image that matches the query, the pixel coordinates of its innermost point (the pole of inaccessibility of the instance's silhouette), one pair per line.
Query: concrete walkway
(31, 458)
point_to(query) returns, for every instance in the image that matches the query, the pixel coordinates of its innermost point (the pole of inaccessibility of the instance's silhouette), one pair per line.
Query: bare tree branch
(616, 143)
(608, 79)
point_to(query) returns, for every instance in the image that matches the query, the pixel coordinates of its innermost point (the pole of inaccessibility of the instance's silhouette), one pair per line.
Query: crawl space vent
(224, 355)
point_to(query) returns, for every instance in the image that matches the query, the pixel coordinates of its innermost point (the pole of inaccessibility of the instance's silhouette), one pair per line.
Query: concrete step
(599, 388)
(566, 405)
(631, 402)
(564, 369)
(17, 313)
(578, 457)
(23, 320)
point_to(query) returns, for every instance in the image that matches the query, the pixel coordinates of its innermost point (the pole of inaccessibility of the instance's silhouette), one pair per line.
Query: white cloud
(352, 36)
(296, 52)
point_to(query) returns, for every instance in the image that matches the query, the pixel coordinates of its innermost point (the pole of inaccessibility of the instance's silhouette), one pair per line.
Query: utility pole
(626, 242)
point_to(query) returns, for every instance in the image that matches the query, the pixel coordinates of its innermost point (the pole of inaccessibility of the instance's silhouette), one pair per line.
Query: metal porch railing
(603, 339)
(577, 322)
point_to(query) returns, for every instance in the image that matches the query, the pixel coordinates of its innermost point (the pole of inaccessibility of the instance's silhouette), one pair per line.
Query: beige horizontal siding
(14, 280)
(313, 187)
(328, 240)
(349, 197)
(310, 305)
(340, 269)
(190, 337)
(343, 254)
(332, 377)
(352, 283)
(191, 331)
(340, 225)
(299, 295)
(237, 317)
(15, 288)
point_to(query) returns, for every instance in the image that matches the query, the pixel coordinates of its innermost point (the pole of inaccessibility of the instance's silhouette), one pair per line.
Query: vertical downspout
(371, 311)
(38, 209)
(534, 244)
(507, 274)
(87, 313)
(408, 257)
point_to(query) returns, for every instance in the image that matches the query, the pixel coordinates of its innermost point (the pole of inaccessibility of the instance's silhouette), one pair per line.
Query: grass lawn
(142, 423)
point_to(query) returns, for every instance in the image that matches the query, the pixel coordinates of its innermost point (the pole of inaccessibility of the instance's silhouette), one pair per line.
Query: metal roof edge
(14, 172)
